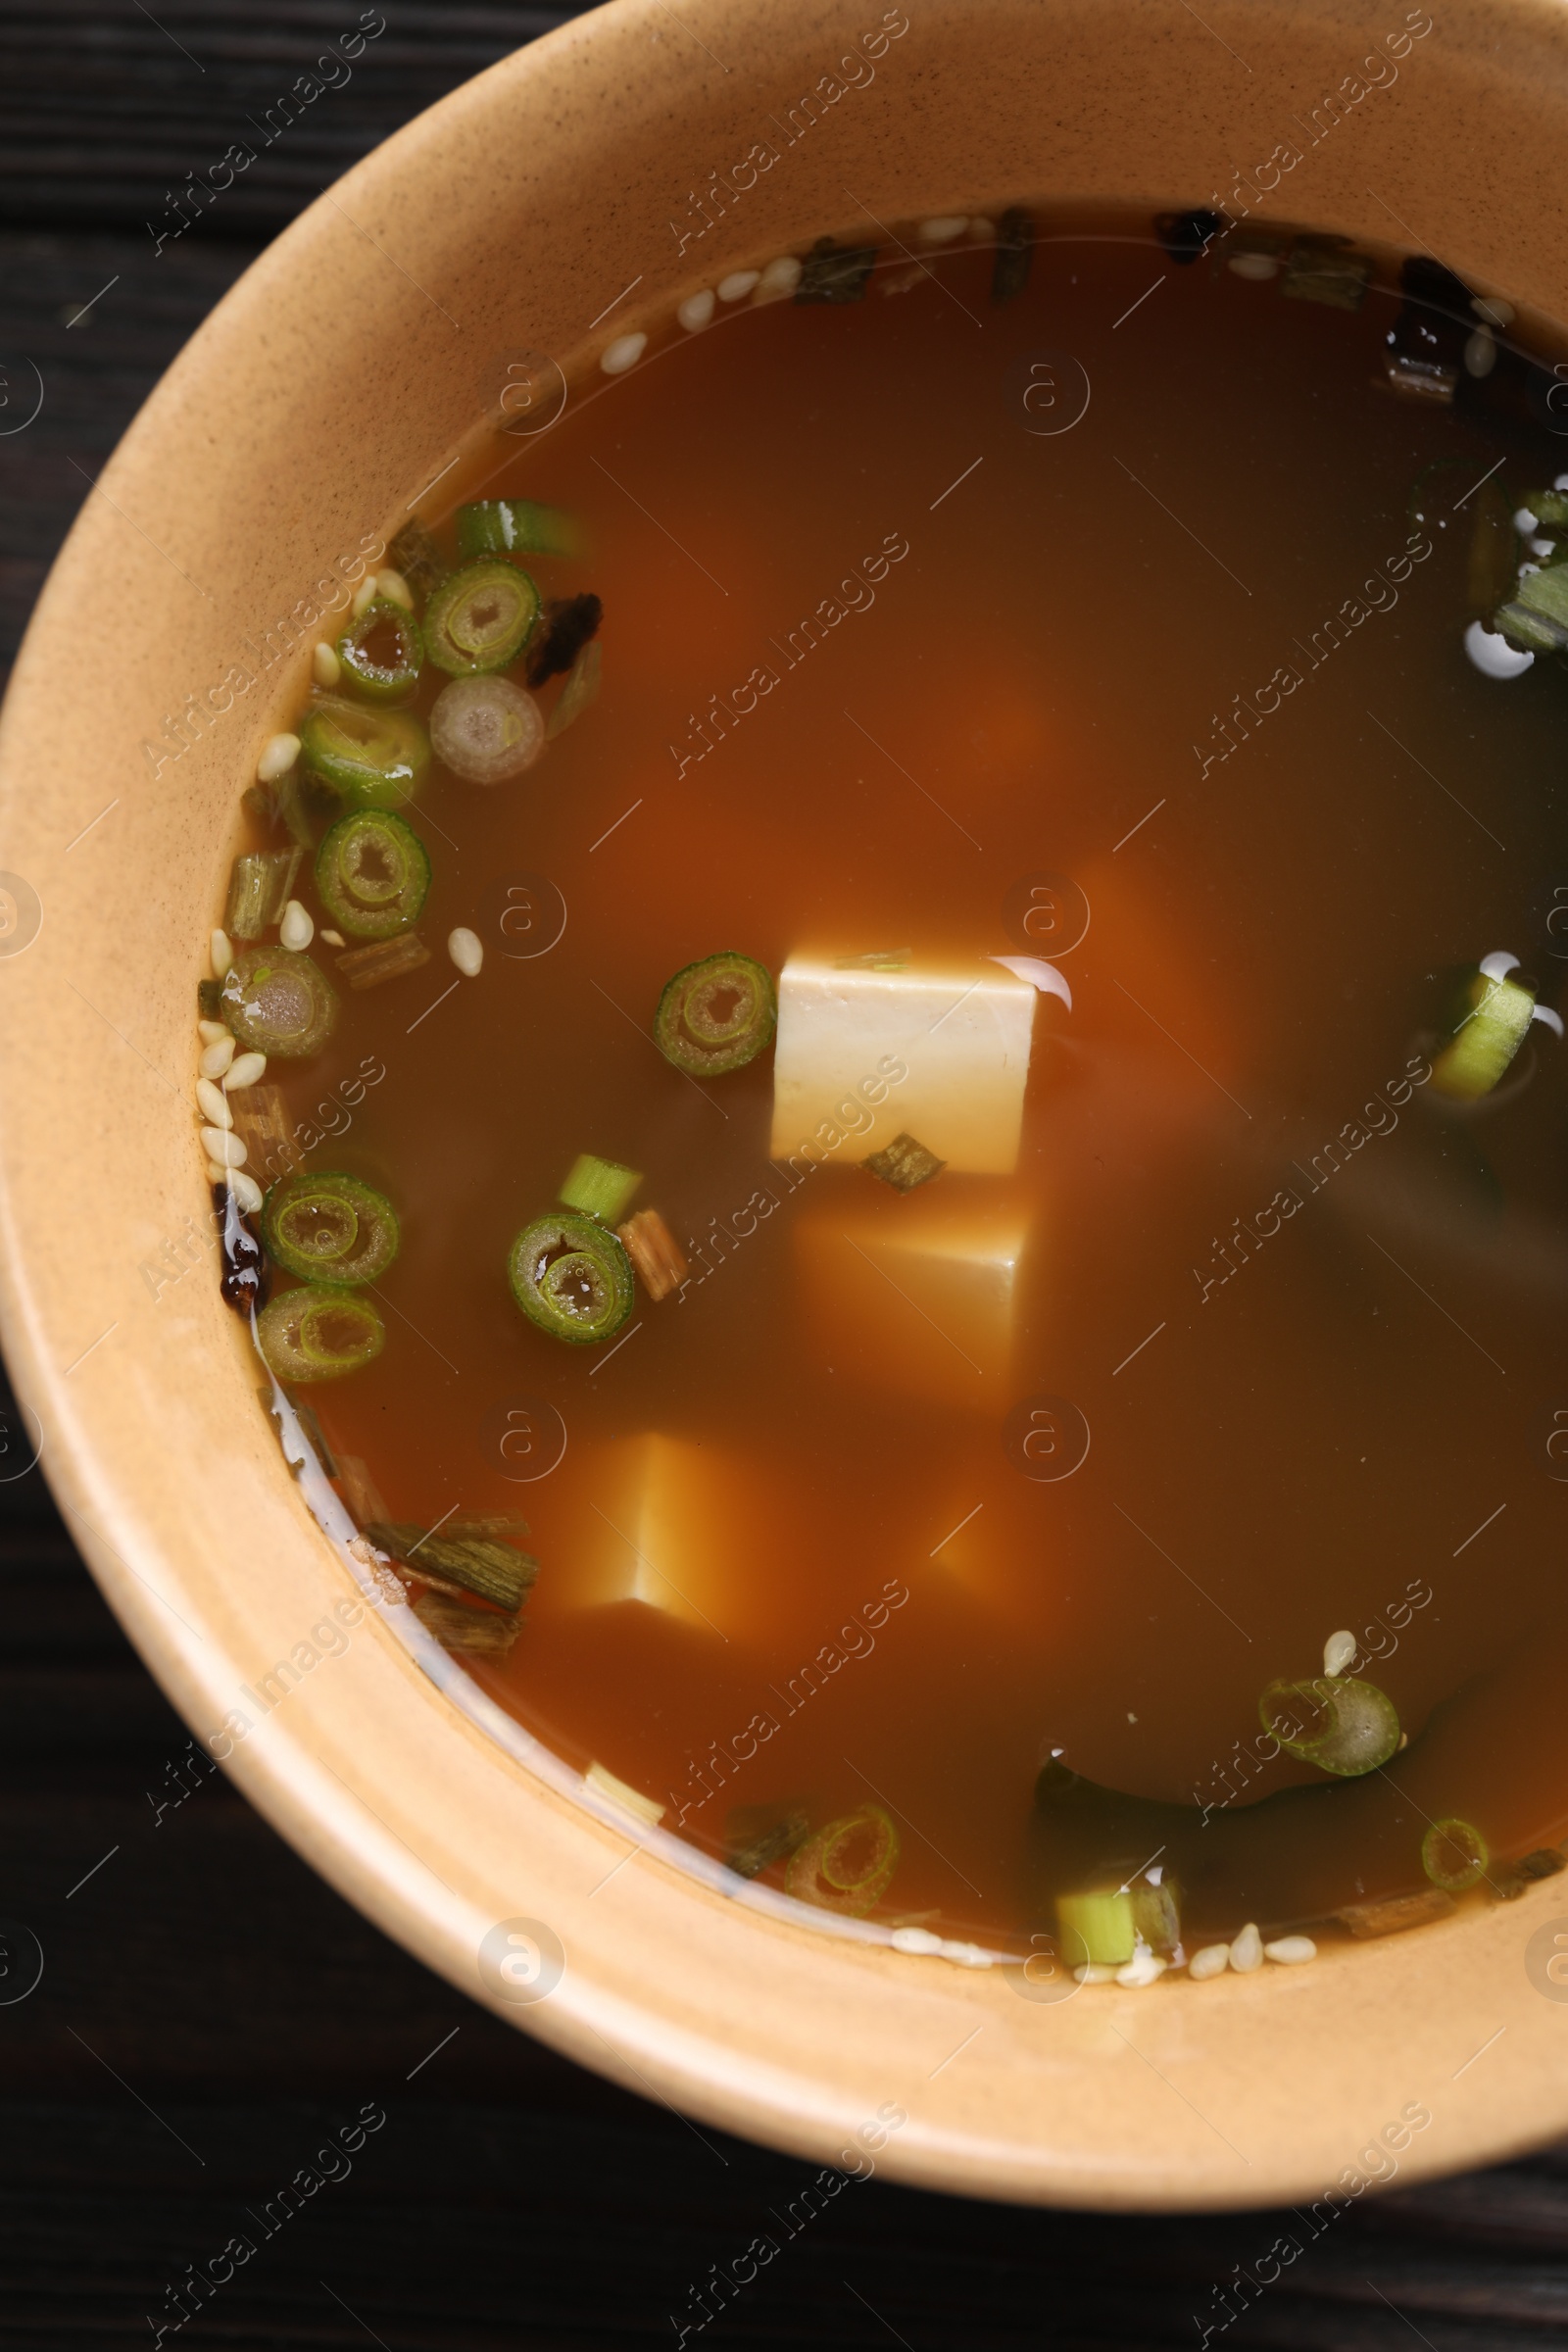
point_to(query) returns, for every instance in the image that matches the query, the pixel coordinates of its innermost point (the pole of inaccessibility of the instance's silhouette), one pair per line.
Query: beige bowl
(507, 218)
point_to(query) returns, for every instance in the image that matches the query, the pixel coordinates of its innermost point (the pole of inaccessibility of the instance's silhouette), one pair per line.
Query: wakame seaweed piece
(1187, 235)
(847, 1865)
(1511, 1879)
(1425, 346)
(329, 1228)
(316, 1333)
(835, 273)
(382, 652)
(715, 1016)
(480, 618)
(504, 1524)
(482, 1633)
(516, 526)
(372, 874)
(416, 554)
(1325, 269)
(1491, 1016)
(755, 1837)
(1454, 1855)
(1393, 1914)
(1015, 251)
(1535, 614)
(600, 1188)
(276, 1000)
(571, 1276)
(246, 1278)
(383, 960)
(259, 886)
(467, 1565)
(1337, 1722)
(371, 757)
(210, 999)
(568, 625)
(904, 1163)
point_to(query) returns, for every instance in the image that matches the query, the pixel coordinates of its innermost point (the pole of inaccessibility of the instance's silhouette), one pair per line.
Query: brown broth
(1340, 1421)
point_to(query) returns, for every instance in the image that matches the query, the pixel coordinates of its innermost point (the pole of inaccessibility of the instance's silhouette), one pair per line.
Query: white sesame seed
(1212, 1961)
(1246, 1952)
(1092, 1972)
(211, 1103)
(967, 1955)
(244, 1070)
(395, 589)
(325, 667)
(942, 231)
(1338, 1651)
(695, 311)
(227, 1150)
(278, 754)
(245, 1189)
(211, 1033)
(980, 229)
(1480, 353)
(1492, 309)
(466, 951)
(1144, 1968)
(297, 928)
(223, 954)
(738, 284)
(920, 1941)
(1291, 1951)
(780, 280)
(624, 352)
(364, 594)
(333, 939)
(1256, 265)
(216, 1057)
(216, 1174)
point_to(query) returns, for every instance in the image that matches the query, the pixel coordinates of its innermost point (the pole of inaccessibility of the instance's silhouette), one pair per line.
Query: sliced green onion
(1101, 1921)
(329, 1228)
(835, 273)
(755, 1837)
(479, 618)
(373, 759)
(715, 1016)
(384, 960)
(1454, 1855)
(904, 1163)
(277, 1002)
(1490, 1032)
(847, 1866)
(600, 1188)
(516, 526)
(571, 1277)
(259, 888)
(372, 874)
(1535, 614)
(464, 1565)
(319, 1334)
(382, 652)
(1337, 1722)
(416, 554)
(1325, 269)
(570, 623)
(580, 689)
(1548, 507)
(486, 729)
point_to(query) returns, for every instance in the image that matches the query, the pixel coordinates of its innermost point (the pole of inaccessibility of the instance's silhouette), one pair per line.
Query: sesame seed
(1256, 265)
(1338, 1651)
(1092, 1972)
(245, 1189)
(1480, 353)
(325, 667)
(278, 754)
(333, 939)
(1291, 1951)
(920, 1941)
(624, 352)
(211, 1103)
(1212, 1961)
(780, 280)
(222, 1148)
(1144, 1968)
(1246, 1952)
(1492, 309)
(211, 1033)
(942, 232)
(216, 1174)
(298, 927)
(364, 594)
(980, 229)
(216, 1057)
(395, 589)
(738, 284)
(223, 955)
(466, 951)
(695, 311)
(244, 1070)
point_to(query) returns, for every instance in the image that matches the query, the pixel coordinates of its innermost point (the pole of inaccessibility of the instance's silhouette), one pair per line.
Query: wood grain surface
(210, 2015)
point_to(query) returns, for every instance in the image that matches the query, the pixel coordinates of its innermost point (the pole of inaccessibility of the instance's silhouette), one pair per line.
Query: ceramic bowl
(504, 220)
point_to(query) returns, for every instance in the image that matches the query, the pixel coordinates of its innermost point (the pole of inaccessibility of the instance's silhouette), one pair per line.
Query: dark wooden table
(209, 2013)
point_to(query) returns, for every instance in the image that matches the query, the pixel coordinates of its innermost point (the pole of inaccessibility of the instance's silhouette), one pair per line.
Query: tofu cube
(959, 1034)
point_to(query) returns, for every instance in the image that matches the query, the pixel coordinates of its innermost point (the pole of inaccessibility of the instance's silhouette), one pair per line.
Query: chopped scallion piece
(715, 1016)
(482, 1633)
(600, 1188)
(1454, 1855)
(755, 1837)
(904, 1163)
(505, 1524)
(1535, 614)
(329, 1228)
(382, 652)
(259, 887)
(277, 1002)
(580, 689)
(373, 873)
(570, 623)
(835, 273)
(655, 1252)
(486, 729)
(480, 618)
(571, 1277)
(516, 526)
(847, 1866)
(470, 1564)
(264, 1126)
(1486, 1037)
(1548, 507)
(371, 759)
(1325, 269)
(384, 960)
(319, 1334)
(1337, 1722)
(1101, 1922)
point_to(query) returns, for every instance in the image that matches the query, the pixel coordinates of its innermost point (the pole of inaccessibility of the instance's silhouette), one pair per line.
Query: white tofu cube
(961, 1033)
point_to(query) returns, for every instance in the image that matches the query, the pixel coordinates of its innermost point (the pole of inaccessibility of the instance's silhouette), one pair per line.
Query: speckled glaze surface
(343, 373)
